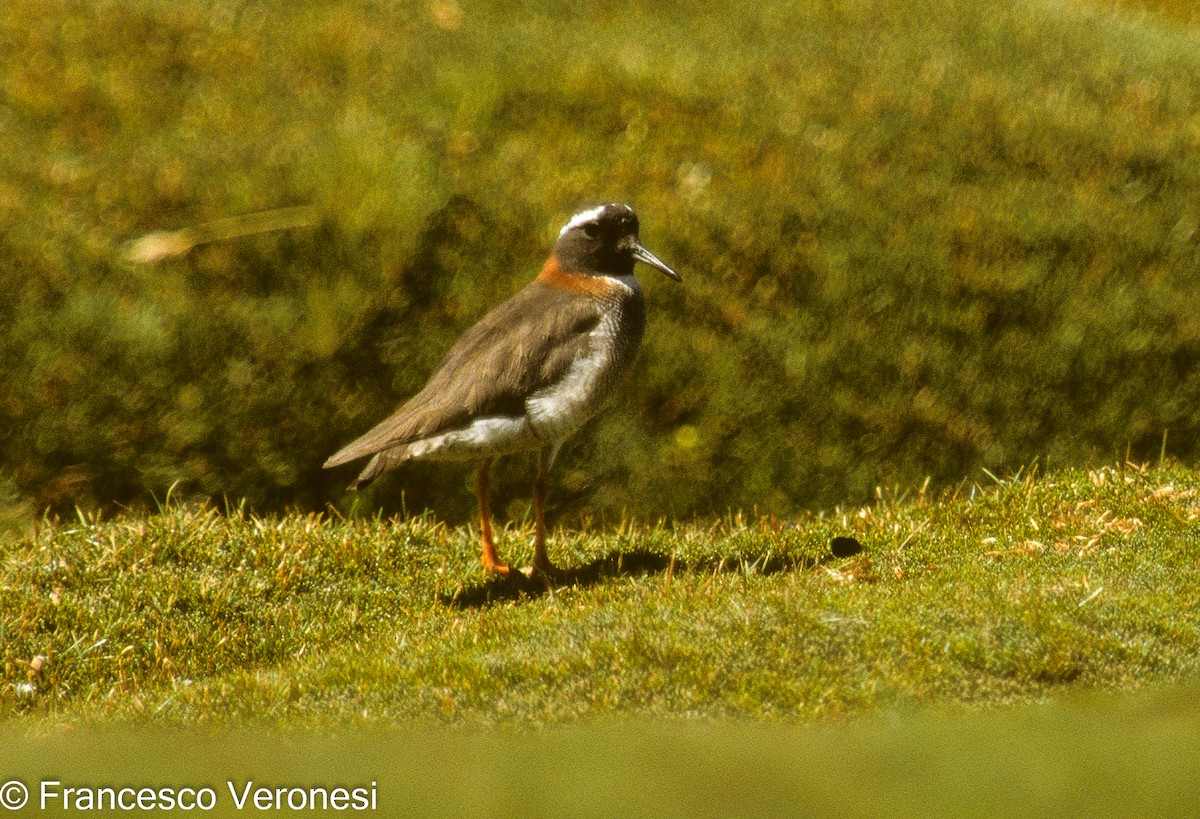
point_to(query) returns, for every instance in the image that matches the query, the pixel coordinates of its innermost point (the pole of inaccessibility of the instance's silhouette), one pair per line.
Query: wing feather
(520, 347)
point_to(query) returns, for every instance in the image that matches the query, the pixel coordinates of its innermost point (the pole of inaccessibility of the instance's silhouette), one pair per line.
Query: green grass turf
(1014, 592)
(679, 670)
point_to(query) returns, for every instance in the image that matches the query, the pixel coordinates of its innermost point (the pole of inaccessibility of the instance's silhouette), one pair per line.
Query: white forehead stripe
(582, 218)
(585, 216)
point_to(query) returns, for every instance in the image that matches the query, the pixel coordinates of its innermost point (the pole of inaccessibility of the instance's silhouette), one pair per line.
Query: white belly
(559, 410)
(482, 438)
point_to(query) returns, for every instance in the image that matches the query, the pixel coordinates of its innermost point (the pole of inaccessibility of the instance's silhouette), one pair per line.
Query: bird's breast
(559, 409)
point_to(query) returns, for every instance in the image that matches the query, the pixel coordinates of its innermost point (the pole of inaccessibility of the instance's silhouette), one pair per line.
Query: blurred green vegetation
(918, 237)
(1099, 755)
(1182, 10)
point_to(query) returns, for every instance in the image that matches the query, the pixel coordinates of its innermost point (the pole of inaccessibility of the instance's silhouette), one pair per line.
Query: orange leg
(541, 561)
(491, 560)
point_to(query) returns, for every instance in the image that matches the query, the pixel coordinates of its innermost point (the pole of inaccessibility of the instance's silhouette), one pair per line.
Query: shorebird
(531, 372)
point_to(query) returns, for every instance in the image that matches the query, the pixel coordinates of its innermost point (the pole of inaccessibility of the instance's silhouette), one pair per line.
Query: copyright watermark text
(13, 795)
(231, 795)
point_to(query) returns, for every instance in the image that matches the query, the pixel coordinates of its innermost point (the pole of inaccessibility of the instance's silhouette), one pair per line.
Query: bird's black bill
(642, 255)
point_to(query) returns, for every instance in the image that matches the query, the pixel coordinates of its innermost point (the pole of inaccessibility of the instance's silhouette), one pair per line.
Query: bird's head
(603, 241)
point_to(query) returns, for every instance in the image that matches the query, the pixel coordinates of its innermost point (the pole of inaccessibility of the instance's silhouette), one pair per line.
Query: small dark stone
(845, 546)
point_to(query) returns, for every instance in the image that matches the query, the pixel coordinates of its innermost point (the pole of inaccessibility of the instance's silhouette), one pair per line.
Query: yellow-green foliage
(917, 236)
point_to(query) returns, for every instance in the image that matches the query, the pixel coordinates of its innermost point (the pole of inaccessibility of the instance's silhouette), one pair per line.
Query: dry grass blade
(170, 244)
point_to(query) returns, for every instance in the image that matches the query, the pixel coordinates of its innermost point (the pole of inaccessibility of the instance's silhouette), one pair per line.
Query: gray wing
(520, 347)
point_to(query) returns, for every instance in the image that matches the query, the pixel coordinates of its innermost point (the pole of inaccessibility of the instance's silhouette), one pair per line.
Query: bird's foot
(542, 569)
(497, 567)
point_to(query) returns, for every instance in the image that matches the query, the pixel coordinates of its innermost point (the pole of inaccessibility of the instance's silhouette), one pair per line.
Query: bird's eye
(591, 229)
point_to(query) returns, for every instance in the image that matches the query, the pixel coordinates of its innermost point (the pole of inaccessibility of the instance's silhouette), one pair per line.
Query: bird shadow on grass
(633, 563)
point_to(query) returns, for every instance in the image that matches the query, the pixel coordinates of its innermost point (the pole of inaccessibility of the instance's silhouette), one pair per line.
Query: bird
(530, 373)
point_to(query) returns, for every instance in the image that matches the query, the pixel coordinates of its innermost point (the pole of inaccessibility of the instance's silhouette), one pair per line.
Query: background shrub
(918, 238)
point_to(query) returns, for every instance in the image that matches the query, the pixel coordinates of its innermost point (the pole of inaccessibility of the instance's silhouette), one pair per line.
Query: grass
(681, 669)
(1011, 593)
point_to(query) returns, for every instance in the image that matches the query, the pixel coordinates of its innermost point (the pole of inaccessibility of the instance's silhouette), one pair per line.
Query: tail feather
(382, 462)
(345, 455)
(392, 433)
